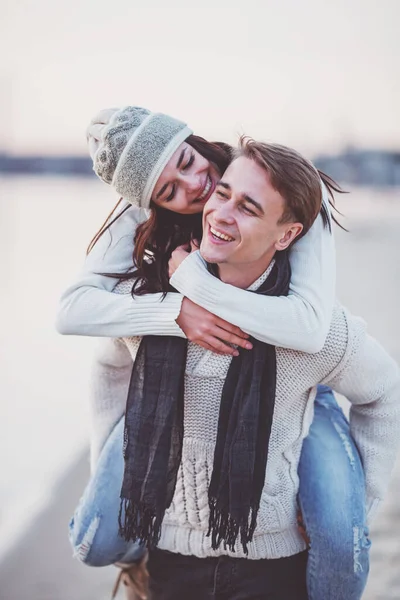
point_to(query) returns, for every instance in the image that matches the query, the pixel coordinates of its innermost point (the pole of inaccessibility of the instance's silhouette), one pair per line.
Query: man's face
(241, 219)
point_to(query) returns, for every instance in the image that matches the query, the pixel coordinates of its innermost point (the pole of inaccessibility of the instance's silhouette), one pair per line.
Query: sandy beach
(40, 565)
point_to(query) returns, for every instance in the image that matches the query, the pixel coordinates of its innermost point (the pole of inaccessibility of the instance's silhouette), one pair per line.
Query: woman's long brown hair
(165, 230)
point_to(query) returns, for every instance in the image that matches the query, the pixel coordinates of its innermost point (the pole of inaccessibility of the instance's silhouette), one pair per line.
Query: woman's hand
(209, 331)
(179, 255)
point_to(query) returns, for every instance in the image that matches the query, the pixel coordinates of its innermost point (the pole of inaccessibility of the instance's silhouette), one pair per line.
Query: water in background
(45, 225)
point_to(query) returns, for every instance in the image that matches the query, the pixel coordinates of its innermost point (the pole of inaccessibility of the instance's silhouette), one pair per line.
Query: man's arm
(370, 379)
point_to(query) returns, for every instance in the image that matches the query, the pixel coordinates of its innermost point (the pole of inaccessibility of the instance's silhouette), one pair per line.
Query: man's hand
(209, 331)
(179, 255)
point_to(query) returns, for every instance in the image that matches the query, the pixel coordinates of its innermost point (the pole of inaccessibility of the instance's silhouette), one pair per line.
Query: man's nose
(224, 214)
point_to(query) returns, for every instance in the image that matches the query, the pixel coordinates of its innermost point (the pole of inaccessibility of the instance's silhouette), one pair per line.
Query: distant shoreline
(46, 165)
(373, 167)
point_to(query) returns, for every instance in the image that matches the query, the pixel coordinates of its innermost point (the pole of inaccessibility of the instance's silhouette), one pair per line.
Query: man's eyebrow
(245, 197)
(254, 203)
(224, 185)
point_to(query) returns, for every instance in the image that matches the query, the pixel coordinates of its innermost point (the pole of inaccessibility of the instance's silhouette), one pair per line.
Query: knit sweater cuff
(193, 269)
(156, 316)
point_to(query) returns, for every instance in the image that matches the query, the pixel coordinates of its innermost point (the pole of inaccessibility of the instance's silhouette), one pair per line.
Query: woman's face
(186, 183)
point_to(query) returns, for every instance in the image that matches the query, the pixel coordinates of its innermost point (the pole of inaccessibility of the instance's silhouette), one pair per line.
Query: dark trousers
(178, 577)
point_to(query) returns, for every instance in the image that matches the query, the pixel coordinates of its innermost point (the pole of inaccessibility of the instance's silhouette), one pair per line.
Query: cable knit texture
(352, 363)
(133, 147)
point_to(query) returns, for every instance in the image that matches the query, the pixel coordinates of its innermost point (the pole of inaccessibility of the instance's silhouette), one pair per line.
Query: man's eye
(249, 210)
(221, 194)
(189, 163)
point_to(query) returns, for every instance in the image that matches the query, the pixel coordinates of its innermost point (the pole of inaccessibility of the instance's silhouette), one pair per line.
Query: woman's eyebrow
(178, 164)
(182, 154)
(160, 193)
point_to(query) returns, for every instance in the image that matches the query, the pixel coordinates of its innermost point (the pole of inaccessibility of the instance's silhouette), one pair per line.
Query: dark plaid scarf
(154, 434)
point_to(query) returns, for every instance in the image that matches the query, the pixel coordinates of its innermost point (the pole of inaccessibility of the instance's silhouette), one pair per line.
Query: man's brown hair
(294, 177)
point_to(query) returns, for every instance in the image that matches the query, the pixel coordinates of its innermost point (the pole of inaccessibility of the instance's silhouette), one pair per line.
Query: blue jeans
(93, 530)
(332, 501)
(331, 497)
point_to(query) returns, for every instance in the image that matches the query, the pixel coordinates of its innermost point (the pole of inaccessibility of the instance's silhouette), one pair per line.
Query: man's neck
(245, 274)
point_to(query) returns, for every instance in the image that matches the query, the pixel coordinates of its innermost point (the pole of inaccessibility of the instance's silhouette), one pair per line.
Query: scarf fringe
(139, 523)
(224, 528)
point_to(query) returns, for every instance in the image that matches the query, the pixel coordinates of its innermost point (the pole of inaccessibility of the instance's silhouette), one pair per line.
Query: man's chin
(209, 254)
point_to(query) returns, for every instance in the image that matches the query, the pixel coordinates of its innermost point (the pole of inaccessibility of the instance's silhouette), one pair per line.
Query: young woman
(156, 164)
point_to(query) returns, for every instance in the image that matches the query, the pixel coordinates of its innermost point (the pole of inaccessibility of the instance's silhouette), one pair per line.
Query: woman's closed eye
(185, 167)
(171, 195)
(189, 163)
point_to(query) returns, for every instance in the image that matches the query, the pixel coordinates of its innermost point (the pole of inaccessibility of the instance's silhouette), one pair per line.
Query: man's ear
(290, 233)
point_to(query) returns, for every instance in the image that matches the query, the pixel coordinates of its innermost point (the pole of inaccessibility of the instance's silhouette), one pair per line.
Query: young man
(213, 461)
(230, 530)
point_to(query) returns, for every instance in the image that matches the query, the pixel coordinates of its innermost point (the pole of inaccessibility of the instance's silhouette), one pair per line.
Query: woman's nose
(192, 184)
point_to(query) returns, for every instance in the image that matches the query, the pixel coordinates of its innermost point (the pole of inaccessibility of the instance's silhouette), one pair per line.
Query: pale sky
(314, 74)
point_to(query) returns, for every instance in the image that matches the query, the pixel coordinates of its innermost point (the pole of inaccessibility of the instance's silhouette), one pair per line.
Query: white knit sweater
(352, 363)
(300, 321)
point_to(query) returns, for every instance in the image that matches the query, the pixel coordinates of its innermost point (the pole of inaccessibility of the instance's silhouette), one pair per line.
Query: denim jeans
(332, 501)
(174, 576)
(93, 530)
(331, 497)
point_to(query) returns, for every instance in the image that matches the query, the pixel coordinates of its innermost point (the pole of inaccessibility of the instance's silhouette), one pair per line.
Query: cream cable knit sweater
(352, 363)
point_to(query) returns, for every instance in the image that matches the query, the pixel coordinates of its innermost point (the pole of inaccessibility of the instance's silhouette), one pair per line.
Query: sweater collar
(258, 282)
(213, 269)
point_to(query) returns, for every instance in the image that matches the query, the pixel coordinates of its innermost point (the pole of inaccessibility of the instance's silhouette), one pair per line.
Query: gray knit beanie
(130, 148)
